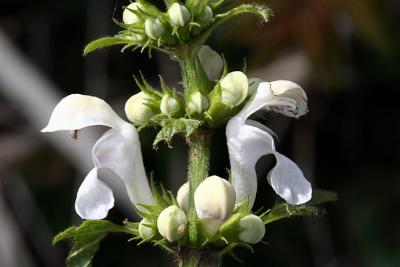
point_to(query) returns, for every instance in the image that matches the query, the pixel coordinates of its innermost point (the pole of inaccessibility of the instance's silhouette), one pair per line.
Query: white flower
(118, 149)
(248, 140)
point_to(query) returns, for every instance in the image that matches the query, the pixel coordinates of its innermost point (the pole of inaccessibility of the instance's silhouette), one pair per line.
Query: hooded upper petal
(77, 111)
(249, 140)
(94, 198)
(119, 150)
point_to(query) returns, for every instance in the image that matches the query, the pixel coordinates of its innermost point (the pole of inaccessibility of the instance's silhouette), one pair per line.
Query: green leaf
(264, 12)
(86, 239)
(285, 210)
(171, 127)
(321, 196)
(102, 43)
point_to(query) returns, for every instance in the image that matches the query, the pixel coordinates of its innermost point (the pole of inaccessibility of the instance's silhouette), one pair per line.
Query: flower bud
(169, 105)
(234, 88)
(178, 15)
(145, 231)
(253, 85)
(128, 17)
(214, 200)
(211, 61)
(154, 28)
(253, 229)
(137, 109)
(183, 196)
(197, 103)
(207, 14)
(172, 223)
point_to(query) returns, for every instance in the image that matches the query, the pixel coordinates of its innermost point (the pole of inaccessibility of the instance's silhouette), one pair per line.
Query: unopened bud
(211, 61)
(154, 28)
(172, 223)
(197, 103)
(145, 231)
(183, 196)
(137, 109)
(207, 14)
(129, 17)
(178, 15)
(253, 229)
(234, 88)
(214, 200)
(169, 105)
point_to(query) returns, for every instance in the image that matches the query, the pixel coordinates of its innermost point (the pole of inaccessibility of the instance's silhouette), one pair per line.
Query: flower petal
(293, 91)
(284, 97)
(78, 111)
(211, 61)
(246, 144)
(94, 198)
(288, 181)
(119, 150)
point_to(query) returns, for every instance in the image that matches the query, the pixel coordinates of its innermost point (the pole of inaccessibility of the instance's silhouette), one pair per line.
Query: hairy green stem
(197, 172)
(195, 258)
(189, 74)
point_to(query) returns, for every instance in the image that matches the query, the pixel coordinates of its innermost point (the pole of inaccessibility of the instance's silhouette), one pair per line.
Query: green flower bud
(253, 85)
(253, 229)
(178, 15)
(137, 109)
(145, 231)
(197, 103)
(214, 200)
(172, 223)
(234, 88)
(169, 105)
(211, 61)
(154, 28)
(183, 197)
(128, 17)
(207, 15)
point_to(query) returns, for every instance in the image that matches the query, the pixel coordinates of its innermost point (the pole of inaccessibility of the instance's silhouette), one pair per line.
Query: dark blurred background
(344, 53)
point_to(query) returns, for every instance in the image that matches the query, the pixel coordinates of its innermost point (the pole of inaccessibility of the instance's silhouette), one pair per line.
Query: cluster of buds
(225, 95)
(146, 25)
(218, 216)
(143, 106)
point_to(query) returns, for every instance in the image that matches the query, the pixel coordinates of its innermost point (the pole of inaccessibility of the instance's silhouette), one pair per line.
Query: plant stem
(197, 172)
(194, 258)
(189, 74)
